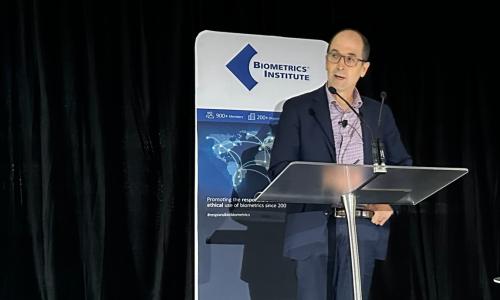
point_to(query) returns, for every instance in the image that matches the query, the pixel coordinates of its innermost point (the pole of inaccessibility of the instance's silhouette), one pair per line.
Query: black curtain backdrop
(97, 140)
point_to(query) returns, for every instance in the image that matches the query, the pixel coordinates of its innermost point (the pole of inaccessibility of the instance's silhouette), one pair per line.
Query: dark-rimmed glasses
(349, 60)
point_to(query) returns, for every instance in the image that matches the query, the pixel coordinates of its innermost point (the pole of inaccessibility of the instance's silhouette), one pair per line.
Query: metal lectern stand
(328, 183)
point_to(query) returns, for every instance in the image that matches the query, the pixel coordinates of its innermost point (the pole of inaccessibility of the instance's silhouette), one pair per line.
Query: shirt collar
(356, 99)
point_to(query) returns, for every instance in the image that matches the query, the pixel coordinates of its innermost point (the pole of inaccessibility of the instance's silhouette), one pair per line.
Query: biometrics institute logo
(239, 66)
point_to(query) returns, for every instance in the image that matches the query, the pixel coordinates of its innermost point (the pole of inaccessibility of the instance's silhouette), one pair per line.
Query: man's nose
(341, 63)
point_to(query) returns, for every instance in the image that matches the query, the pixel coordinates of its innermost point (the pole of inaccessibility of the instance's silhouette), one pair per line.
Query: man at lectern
(334, 123)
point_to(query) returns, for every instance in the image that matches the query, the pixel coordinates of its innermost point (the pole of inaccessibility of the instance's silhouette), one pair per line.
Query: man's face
(343, 77)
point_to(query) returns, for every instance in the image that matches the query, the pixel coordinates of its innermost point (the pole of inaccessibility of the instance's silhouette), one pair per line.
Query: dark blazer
(304, 133)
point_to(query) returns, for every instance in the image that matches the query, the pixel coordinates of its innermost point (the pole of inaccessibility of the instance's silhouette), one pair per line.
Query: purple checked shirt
(348, 138)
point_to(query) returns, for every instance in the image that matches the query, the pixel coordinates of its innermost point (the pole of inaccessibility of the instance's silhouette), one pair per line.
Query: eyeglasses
(349, 60)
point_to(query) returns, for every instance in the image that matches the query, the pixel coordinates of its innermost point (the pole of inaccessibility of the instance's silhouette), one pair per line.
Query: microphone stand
(378, 155)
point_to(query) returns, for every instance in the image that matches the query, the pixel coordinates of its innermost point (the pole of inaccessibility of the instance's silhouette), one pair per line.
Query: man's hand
(382, 213)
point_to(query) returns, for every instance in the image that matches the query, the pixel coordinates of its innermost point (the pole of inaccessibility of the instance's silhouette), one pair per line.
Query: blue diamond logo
(239, 66)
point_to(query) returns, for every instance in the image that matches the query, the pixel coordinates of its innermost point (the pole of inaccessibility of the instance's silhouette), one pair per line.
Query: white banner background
(231, 117)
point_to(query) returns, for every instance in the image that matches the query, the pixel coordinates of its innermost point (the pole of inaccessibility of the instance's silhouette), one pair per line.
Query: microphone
(377, 149)
(383, 95)
(343, 123)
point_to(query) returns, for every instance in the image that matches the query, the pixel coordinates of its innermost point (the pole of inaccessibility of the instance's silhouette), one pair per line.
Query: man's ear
(366, 65)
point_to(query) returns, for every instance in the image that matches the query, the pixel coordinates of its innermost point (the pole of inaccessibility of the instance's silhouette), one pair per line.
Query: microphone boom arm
(377, 146)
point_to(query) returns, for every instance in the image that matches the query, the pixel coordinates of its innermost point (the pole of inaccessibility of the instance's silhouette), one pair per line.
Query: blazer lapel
(321, 114)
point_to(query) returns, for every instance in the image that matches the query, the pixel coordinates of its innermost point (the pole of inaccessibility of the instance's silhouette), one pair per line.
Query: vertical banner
(241, 84)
